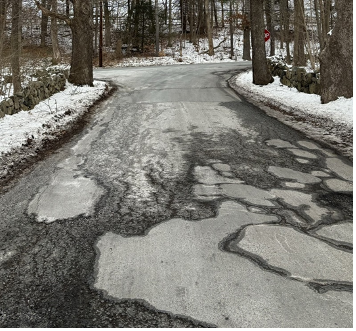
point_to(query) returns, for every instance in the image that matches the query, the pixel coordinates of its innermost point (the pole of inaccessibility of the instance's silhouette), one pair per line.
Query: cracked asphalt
(179, 205)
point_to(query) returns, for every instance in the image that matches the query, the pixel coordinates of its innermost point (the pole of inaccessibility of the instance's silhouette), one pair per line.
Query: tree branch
(52, 14)
(206, 52)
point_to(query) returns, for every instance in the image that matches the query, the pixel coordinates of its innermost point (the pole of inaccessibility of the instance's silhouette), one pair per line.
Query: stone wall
(307, 82)
(48, 83)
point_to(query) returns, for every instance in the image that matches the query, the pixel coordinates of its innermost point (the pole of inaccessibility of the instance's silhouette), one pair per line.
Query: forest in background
(36, 34)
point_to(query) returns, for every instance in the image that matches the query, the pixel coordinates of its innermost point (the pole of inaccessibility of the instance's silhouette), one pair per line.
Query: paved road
(180, 205)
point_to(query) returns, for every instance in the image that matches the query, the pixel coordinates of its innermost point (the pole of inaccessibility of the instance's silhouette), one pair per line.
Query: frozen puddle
(179, 267)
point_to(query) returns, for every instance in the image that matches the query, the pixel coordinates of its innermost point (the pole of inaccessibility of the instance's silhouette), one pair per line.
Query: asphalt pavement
(179, 205)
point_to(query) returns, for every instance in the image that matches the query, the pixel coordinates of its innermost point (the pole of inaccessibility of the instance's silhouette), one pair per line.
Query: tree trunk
(2, 24)
(270, 24)
(325, 20)
(222, 14)
(107, 24)
(157, 27)
(336, 60)
(201, 18)
(118, 50)
(318, 24)
(193, 31)
(208, 29)
(231, 32)
(96, 28)
(170, 23)
(299, 57)
(44, 24)
(246, 24)
(261, 73)
(15, 45)
(215, 13)
(81, 71)
(56, 58)
(285, 25)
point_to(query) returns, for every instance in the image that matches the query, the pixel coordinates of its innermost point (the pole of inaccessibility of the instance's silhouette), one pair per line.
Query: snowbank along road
(180, 205)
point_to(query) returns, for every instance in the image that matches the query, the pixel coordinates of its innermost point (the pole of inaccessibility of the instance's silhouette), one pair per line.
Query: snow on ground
(332, 122)
(48, 116)
(339, 111)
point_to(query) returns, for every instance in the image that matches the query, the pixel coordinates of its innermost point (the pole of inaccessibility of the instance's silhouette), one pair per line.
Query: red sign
(267, 35)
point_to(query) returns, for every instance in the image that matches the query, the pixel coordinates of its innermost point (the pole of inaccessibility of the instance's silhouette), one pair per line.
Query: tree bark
(285, 27)
(299, 57)
(246, 24)
(81, 70)
(56, 57)
(157, 27)
(270, 24)
(107, 24)
(3, 5)
(44, 24)
(261, 73)
(170, 23)
(209, 29)
(325, 20)
(231, 32)
(336, 60)
(15, 45)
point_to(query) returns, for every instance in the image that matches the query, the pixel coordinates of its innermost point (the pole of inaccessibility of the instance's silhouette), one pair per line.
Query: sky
(61, 109)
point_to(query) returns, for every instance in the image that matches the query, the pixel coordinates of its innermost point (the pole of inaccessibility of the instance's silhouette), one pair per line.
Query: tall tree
(231, 23)
(269, 9)
(107, 23)
(56, 54)
(44, 22)
(157, 28)
(15, 45)
(325, 19)
(3, 6)
(299, 57)
(285, 27)
(209, 28)
(261, 73)
(170, 23)
(192, 23)
(336, 60)
(246, 26)
(81, 24)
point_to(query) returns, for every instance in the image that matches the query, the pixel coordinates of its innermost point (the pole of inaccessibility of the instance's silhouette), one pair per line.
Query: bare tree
(285, 27)
(157, 28)
(170, 23)
(261, 73)
(3, 6)
(246, 26)
(299, 57)
(15, 45)
(269, 9)
(56, 54)
(336, 60)
(209, 28)
(322, 15)
(44, 22)
(81, 24)
(107, 24)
